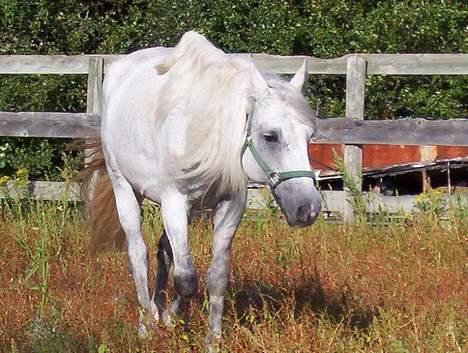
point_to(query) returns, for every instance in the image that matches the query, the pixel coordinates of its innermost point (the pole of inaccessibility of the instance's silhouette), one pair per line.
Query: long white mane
(213, 87)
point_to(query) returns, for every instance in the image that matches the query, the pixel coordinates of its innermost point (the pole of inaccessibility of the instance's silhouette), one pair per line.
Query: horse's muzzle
(300, 201)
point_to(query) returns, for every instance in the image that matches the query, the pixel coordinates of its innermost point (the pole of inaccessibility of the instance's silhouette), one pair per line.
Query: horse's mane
(212, 88)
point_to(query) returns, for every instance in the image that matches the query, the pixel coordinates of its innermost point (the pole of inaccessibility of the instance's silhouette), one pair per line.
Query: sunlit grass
(327, 288)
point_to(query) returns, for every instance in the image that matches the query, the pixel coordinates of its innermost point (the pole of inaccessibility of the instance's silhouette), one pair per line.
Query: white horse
(187, 128)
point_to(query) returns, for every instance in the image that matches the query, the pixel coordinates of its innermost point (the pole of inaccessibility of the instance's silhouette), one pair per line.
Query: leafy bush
(321, 28)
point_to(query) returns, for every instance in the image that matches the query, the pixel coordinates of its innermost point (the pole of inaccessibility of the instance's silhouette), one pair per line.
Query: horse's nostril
(303, 214)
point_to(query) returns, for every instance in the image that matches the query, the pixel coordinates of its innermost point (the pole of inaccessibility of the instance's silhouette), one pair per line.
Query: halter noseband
(274, 178)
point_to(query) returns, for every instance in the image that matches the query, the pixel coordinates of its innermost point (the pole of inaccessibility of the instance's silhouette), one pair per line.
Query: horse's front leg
(129, 210)
(174, 208)
(228, 215)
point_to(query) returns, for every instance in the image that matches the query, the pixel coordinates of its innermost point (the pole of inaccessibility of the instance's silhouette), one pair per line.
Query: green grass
(326, 288)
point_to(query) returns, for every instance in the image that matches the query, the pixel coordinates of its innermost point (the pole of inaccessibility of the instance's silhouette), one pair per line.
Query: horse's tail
(99, 198)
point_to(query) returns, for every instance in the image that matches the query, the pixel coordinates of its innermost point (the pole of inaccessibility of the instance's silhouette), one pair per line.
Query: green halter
(274, 178)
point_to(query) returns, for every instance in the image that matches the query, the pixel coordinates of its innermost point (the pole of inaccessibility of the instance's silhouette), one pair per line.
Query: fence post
(355, 93)
(94, 93)
(93, 106)
(94, 96)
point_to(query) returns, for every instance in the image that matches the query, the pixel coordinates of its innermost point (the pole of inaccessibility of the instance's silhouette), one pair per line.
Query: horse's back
(118, 72)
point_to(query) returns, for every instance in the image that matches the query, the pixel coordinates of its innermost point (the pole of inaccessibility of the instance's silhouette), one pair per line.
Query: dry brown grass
(327, 288)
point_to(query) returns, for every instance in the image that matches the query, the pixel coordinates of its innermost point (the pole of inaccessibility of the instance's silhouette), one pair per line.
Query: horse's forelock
(290, 96)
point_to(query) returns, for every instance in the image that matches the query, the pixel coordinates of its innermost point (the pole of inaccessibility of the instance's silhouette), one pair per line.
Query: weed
(327, 288)
(432, 204)
(351, 183)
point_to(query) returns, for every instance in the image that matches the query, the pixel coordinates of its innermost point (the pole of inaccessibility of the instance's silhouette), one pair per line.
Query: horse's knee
(137, 251)
(185, 282)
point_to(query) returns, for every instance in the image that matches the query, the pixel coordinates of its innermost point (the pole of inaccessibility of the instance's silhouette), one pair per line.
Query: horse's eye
(271, 137)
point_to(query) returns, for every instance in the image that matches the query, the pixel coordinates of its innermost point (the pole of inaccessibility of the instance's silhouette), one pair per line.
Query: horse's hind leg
(129, 210)
(174, 209)
(165, 260)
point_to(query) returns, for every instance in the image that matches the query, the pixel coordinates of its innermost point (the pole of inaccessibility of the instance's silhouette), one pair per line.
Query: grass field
(327, 288)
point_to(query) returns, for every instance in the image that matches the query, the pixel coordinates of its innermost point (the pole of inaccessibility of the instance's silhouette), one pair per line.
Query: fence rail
(334, 202)
(377, 64)
(337, 130)
(352, 131)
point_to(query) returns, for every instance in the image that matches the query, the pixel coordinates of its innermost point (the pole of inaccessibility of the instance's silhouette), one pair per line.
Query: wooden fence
(353, 130)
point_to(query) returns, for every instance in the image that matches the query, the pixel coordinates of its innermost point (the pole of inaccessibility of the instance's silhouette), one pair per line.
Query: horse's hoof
(213, 343)
(167, 319)
(147, 321)
(143, 332)
(176, 314)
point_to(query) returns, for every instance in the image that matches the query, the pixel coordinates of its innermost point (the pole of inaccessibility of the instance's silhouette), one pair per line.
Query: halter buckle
(274, 179)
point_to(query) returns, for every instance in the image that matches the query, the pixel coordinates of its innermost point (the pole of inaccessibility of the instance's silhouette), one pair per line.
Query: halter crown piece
(274, 178)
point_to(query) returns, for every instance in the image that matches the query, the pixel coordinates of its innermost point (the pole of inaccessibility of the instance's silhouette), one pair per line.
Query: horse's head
(279, 127)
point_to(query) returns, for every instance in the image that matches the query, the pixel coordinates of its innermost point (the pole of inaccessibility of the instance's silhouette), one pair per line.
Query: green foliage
(43, 158)
(320, 28)
(432, 204)
(351, 182)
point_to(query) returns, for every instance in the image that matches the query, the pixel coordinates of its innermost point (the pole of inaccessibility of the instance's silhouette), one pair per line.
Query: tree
(321, 28)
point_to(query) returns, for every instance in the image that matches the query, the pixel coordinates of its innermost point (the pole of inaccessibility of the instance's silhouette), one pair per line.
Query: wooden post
(428, 154)
(95, 75)
(94, 95)
(93, 106)
(355, 93)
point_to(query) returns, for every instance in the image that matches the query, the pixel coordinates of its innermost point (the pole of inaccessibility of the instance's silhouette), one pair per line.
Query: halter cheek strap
(274, 178)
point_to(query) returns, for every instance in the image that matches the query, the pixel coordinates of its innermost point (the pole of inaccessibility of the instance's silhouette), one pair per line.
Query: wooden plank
(93, 106)
(42, 190)
(334, 130)
(355, 87)
(380, 64)
(428, 154)
(452, 132)
(290, 64)
(417, 64)
(333, 201)
(67, 125)
(355, 95)
(94, 93)
(44, 64)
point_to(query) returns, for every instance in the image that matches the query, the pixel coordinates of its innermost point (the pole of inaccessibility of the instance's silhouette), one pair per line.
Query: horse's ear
(300, 78)
(259, 84)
